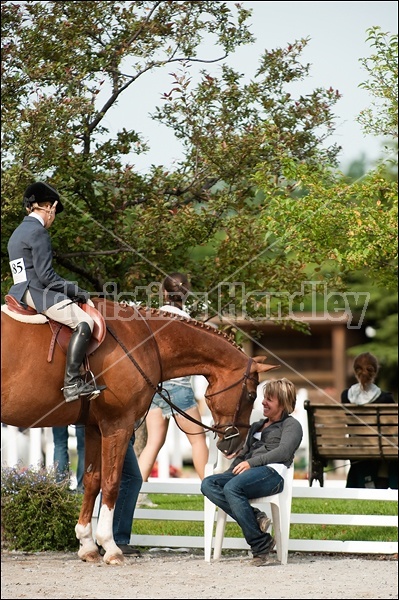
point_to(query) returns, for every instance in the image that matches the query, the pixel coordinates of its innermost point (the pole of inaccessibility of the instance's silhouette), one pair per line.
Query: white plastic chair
(217, 463)
(281, 516)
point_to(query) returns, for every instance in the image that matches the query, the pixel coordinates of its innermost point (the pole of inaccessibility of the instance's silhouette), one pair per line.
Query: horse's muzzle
(231, 441)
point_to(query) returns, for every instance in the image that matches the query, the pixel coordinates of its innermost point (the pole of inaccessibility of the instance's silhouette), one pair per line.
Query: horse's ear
(259, 359)
(264, 368)
(259, 365)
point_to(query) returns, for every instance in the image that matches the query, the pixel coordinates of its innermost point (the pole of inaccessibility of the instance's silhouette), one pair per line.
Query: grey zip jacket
(278, 443)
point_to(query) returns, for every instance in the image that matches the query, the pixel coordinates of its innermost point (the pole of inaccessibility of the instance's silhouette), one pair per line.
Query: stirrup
(82, 389)
(89, 394)
(75, 391)
(92, 382)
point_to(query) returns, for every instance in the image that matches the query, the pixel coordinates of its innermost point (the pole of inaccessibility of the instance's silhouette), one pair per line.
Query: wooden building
(316, 360)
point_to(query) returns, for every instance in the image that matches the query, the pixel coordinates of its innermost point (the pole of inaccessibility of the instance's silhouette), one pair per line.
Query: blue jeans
(61, 454)
(231, 493)
(180, 395)
(128, 492)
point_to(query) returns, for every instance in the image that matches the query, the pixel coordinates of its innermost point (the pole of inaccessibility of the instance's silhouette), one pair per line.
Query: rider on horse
(37, 285)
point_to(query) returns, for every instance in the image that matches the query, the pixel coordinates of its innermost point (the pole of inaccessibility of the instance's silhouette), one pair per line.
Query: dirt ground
(184, 574)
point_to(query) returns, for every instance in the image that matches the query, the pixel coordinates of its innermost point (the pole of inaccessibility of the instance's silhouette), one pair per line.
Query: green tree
(125, 227)
(242, 207)
(381, 118)
(345, 228)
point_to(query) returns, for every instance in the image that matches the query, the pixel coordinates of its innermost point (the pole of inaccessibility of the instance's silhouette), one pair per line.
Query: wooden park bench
(350, 432)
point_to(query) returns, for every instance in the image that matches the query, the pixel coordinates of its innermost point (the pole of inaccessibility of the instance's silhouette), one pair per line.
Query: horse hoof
(91, 557)
(114, 559)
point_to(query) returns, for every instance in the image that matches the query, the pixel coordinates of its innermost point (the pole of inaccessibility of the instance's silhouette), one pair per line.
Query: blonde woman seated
(259, 468)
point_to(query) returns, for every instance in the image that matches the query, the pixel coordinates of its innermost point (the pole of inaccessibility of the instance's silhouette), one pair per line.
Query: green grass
(297, 531)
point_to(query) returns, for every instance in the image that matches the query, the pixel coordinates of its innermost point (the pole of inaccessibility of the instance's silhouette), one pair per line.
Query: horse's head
(231, 405)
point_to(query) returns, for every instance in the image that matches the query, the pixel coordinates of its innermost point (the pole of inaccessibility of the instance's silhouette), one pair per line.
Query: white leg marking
(85, 537)
(104, 533)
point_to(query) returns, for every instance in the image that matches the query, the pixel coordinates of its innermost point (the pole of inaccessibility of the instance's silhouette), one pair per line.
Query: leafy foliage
(382, 67)
(347, 240)
(254, 208)
(37, 513)
(63, 77)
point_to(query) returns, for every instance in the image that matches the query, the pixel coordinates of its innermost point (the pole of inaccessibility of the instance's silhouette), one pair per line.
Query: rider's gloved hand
(81, 297)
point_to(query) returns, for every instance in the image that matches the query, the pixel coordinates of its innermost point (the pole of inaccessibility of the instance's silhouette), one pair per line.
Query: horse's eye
(252, 396)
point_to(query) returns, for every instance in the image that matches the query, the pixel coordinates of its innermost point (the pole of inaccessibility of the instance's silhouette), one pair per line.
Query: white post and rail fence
(332, 490)
(37, 447)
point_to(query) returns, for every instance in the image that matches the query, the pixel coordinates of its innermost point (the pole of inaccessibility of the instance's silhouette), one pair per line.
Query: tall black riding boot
(74, 386)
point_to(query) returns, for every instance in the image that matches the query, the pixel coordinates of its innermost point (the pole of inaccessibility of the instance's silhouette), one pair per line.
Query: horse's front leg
(114, 446)
(88, 550)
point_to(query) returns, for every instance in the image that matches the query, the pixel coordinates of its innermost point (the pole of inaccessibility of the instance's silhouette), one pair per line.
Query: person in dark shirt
(369, 473)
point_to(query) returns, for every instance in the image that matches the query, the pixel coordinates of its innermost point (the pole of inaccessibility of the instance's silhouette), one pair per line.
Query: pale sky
(337, 32)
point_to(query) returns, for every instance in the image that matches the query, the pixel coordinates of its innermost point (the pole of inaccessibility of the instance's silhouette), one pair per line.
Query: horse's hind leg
(88, 550)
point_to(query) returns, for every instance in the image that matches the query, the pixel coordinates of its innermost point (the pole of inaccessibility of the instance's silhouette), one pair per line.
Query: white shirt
(38, 217)
(357, 395)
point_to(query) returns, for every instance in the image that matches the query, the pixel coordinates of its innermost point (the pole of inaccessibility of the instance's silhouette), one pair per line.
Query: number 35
(17, 267)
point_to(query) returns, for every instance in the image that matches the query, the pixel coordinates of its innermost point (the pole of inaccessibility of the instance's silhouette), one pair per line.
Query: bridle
(229, 430)
(244, 392)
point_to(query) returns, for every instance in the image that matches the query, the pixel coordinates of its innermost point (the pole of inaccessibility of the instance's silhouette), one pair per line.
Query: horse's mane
(191, 322)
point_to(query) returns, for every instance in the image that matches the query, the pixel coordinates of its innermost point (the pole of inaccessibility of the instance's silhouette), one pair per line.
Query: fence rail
(301, 489)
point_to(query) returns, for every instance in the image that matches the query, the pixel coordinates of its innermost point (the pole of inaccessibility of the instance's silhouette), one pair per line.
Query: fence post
(35, 447)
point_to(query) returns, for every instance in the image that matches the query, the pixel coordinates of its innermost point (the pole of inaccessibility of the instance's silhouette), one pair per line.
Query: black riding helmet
(42, 192)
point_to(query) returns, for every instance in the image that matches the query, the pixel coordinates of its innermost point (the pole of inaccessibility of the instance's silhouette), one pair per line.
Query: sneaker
(259, 560)
(144, 500)
(126, 549)
(129, 550)
(263, 521)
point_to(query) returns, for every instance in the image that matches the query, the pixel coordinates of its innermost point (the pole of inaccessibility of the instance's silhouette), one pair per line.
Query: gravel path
(184, 574)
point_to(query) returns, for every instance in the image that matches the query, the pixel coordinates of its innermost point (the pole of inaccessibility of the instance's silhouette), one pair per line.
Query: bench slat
(355, 440)
(342, 418)
(334, 453)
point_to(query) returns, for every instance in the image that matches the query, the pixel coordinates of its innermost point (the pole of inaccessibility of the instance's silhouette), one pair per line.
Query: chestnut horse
(142, 348)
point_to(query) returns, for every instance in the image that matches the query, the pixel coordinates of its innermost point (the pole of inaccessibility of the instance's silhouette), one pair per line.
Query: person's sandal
(144, 500)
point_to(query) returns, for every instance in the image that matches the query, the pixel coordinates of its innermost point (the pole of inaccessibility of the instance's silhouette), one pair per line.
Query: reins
(157, 388)
(164, 393)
